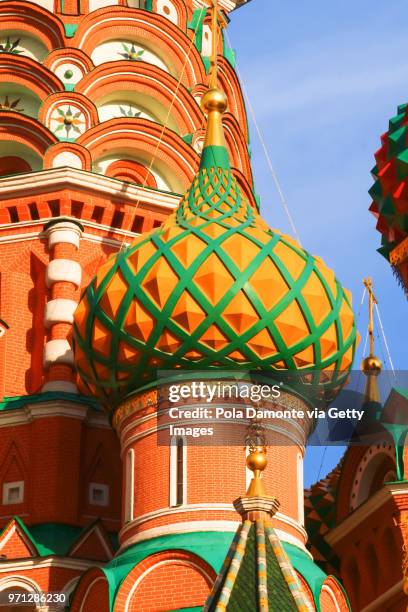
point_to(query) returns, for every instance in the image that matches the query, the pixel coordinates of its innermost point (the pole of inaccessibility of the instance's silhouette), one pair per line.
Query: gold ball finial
(257, 459)
(214, 100)
(371, 365)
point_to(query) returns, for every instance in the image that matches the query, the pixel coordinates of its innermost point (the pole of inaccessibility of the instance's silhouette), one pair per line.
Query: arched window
(178, 469)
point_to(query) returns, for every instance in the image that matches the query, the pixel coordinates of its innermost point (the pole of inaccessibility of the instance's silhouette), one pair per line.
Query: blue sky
(324, 79)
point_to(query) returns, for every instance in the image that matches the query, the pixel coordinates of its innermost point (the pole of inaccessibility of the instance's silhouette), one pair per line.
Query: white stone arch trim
(97, 579)
(159, 564)
(326, 588)
(69, 586)
(22, 582)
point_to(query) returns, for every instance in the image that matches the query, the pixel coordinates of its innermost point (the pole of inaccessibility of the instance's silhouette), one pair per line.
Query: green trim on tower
(196, 24)
(20, 401)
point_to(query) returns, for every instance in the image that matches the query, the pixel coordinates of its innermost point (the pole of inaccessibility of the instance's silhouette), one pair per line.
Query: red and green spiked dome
(213, 288)
(390, 189)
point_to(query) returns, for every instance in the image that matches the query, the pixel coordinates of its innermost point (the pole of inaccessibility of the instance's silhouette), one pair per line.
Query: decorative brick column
(63, 278)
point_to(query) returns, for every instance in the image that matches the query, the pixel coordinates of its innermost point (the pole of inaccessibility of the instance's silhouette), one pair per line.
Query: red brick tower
(212, 289)
(100, 130)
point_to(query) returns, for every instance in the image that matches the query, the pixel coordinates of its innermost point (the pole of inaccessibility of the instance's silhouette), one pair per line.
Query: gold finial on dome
(371, 365)
(214, 101)
(256, 460)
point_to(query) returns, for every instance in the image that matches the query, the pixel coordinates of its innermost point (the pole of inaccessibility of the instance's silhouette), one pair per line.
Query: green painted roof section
(245, 591)
(213, 156)
(19, 401)
(70, 29)
(210, 546)
(54, 538)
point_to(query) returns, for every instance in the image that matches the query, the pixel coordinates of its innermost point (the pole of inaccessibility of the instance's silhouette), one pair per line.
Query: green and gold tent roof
(214, 287)
(257, 575)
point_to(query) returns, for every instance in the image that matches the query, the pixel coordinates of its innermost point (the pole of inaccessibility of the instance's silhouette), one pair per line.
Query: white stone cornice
(359, 516)
(22, 185)
(60, 385)
(220, 507)
(207, 526)
(62, 408)
(51, 561)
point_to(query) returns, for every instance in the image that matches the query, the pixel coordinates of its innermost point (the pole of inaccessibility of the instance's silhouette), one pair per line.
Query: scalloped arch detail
(144, 136)
(167, 38)
(148, 80)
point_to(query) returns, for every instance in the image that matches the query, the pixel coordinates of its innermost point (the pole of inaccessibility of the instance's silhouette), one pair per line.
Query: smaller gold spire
(371, 365)
(214, 101)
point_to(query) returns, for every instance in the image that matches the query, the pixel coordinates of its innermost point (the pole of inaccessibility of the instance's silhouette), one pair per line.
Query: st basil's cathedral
(132, 243)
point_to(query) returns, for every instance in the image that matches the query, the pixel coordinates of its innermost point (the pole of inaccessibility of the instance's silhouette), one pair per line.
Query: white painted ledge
(60, 385)
(58, 351)
(59, 270)
(60, 310)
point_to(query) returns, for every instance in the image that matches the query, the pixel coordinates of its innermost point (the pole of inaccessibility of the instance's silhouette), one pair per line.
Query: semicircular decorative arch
(34, 20)
(137, 584)
(146, 84)
(25, 72)
(230, 84)
(24, 137)
(175, 160)
(83, 113)
(152, 31)
(237, 146)
(174, 10)
(70, 65)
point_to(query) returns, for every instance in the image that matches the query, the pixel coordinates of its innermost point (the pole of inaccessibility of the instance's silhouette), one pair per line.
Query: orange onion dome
(213, 288)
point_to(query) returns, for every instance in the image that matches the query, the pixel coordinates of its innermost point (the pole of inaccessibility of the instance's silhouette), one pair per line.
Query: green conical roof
(257, 575)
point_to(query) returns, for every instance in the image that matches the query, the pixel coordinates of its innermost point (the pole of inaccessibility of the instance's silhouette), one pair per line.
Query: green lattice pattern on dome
(213, 288)
(390, 189)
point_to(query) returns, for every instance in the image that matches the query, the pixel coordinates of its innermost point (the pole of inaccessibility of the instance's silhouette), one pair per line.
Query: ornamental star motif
(68, 121)
(7, 105)
(129, 113)
(131, 53)
(10, 47)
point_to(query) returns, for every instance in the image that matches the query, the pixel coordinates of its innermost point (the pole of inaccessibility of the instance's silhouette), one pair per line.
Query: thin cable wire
(266, 152)
(377, 310)
(164, 127)
(321, 463)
